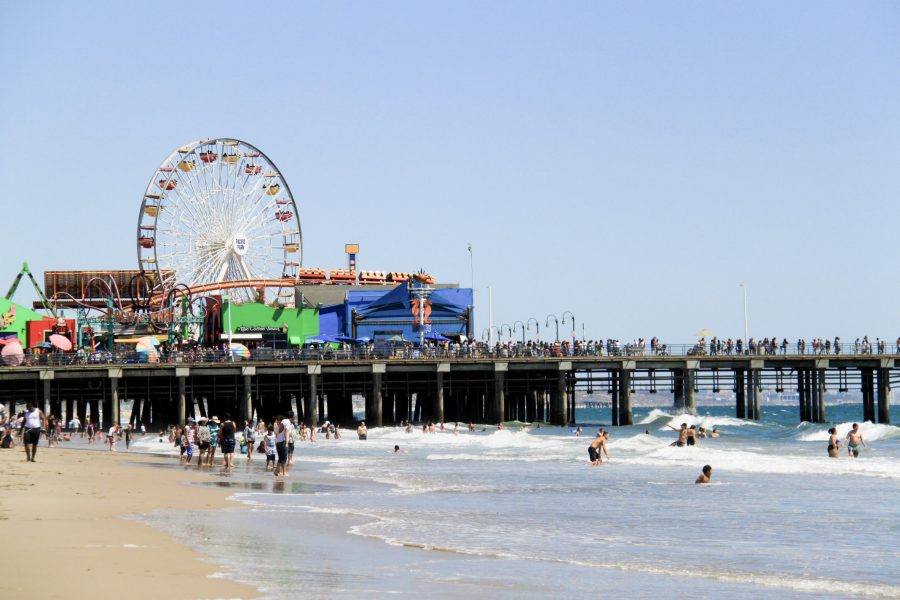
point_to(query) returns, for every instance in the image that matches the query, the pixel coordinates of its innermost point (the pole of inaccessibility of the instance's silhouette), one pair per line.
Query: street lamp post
(746, 326)
(555, 320)
(523, 330)
(574, 331)
(472, 275)
(537, 326)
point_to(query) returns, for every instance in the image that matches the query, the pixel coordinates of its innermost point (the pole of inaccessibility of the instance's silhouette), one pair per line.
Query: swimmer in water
(834, 443)
(705, 476)
(854, 441)
(714, 433)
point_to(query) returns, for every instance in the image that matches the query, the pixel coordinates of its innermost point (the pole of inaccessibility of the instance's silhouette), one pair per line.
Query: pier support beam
(739, 398)
(690, 404)
(820, 414)
(499, 408)
(884, 395)
(439, 395)
(814, 395)
(377, 417)
(626, 416)
(753, 394)
(114, 397)
(47, 378)
(182, 398)
(312, 399)
(558, 408)
(247, 398)
(867, 376)
(678, 389)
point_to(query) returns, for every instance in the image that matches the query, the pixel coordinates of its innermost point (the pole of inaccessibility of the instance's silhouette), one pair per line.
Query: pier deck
(439, 388)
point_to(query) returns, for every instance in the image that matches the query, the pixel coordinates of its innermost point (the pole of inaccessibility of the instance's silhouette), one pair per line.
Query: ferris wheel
(218, 214)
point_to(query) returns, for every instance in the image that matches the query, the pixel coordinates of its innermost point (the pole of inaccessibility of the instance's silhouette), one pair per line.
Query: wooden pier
(481, 390)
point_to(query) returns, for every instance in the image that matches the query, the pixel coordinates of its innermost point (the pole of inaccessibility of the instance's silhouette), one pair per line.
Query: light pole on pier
(472, 275)
(537, 326)
(555, 320)
(574, 331)
(746, 326)
(515, 324)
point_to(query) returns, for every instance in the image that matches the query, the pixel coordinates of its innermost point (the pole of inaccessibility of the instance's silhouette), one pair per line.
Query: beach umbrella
(397, 339)
(12, 353)
(146, 343)
(61, 342)
(239, 350)
(704, 333)
(149, 355)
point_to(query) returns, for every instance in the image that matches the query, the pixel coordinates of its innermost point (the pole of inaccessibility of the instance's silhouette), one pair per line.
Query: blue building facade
(382, 314)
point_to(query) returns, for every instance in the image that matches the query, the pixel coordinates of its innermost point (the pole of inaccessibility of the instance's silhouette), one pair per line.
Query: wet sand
(66, 532)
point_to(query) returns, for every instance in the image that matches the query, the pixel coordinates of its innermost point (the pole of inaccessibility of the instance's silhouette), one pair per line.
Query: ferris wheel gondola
(219, 211)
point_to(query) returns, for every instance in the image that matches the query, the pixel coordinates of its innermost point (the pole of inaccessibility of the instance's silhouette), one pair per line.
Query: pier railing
(453, 352)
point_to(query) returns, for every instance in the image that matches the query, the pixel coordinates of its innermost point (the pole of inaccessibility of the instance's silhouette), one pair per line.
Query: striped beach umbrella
(146, 343)
(149, 355)
(239, 350)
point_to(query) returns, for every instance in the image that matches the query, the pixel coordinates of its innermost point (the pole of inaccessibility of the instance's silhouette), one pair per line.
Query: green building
(268, 325)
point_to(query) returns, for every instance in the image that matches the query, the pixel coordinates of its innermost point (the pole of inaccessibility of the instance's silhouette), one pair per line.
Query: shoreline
(70, 515)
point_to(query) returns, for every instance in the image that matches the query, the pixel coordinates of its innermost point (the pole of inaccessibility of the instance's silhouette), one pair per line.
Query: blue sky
(629, 162)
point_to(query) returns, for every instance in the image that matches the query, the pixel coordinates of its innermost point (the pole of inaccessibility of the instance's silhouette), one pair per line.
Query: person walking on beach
(682, 435)
(290, 437)
(228, 431)
(834, 443)
(129, 436)
(187, 443)
(281, 446)
(854, 440)
(269, 442)
(202, 436)
(89, 430)
(705, 476)
(213, 440)
(32, 424)
(111, 436)
(249, 439)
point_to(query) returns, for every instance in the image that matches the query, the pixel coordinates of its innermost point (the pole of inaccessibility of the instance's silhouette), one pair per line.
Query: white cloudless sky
(630, 162)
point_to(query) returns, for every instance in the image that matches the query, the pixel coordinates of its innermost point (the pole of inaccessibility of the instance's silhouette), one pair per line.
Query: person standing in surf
(854, 441)
(596, 448)
(834, 443)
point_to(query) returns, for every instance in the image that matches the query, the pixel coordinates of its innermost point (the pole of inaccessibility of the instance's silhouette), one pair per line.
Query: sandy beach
(65, 535)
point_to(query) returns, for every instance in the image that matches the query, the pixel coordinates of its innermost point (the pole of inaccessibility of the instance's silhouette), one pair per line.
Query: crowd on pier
(472, 349)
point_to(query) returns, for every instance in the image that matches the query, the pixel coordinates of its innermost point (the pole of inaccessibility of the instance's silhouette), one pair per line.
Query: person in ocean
(834, 443)
(596, 447)
(854, 441)
(692, 435)
(705, 476)
(713, 433)
(682, 435)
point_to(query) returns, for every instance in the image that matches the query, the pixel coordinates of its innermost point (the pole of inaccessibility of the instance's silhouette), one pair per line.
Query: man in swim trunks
(854, 440)
(682, 435)
(596, 447)
(705, 476)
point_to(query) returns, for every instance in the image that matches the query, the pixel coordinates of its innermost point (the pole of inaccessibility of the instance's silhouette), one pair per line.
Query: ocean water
(520, 513)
